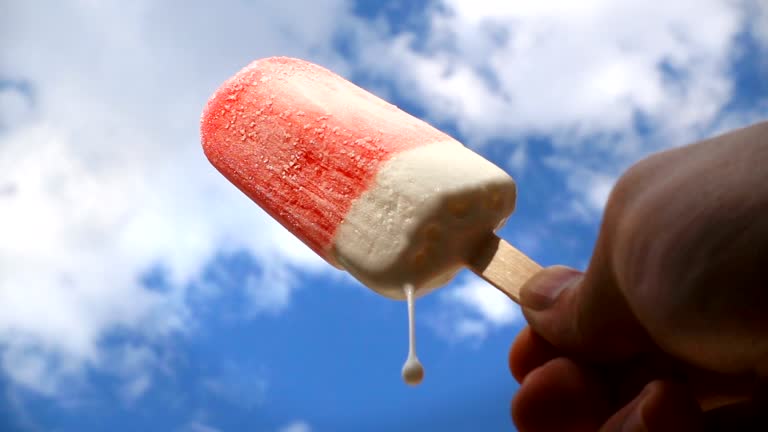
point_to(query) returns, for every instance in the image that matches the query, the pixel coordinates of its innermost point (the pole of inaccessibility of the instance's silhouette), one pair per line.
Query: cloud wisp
(607, 82)
(102, 177)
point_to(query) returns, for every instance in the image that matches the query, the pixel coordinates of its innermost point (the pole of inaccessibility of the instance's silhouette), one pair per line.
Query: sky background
(140, 291)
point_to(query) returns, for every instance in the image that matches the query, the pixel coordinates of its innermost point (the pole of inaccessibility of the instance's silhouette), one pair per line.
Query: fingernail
(544, 289)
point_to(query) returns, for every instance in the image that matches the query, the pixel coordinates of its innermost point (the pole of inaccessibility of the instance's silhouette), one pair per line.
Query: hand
(667, 330)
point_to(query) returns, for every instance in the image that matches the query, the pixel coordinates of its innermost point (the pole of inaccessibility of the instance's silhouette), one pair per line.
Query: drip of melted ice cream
(413, 371)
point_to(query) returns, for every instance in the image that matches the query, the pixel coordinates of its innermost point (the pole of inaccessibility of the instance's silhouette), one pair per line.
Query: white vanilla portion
(424, 214)
(413, 371)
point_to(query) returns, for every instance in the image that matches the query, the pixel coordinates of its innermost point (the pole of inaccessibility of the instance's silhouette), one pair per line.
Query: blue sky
(140, 291)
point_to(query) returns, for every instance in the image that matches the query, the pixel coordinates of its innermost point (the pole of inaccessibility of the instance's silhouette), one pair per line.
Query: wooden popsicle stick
(503, 266)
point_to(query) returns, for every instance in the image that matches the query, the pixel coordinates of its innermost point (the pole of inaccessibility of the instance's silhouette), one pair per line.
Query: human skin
(668, 327)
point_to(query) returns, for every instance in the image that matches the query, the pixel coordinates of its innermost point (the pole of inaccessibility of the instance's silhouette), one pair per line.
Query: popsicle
(373, 190)
(370, 188)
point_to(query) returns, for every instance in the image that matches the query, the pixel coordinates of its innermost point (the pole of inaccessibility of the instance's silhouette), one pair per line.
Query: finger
(584, 315)
(528, 352)
(560, 396)
(627, 378)
(661, 406)
(588, 314)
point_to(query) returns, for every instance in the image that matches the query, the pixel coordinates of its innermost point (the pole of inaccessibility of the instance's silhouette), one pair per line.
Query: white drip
(413, 371)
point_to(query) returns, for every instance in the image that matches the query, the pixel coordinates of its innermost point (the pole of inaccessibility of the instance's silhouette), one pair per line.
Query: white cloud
(15, 106)
(296, 426)
(578, 72)
(488, 302)
(136, 364)
(136, 387)
(472, 308)
(199, 427)
(595, 185)
(241, 386)
(518, 159)
(580, 68)
(760, 20)
(466, 328)
(29, 369)
(102, 176)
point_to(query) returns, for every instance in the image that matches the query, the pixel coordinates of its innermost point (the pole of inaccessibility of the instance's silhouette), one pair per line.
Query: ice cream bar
(370, 188)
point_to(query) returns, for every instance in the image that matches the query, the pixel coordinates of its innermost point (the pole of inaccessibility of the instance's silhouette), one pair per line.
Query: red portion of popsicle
(304, 143)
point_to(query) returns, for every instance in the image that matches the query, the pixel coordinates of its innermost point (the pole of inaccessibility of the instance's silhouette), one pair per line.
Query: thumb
(583, 314)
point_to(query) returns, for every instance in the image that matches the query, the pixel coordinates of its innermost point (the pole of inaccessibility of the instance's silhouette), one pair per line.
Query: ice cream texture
(370, 188)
